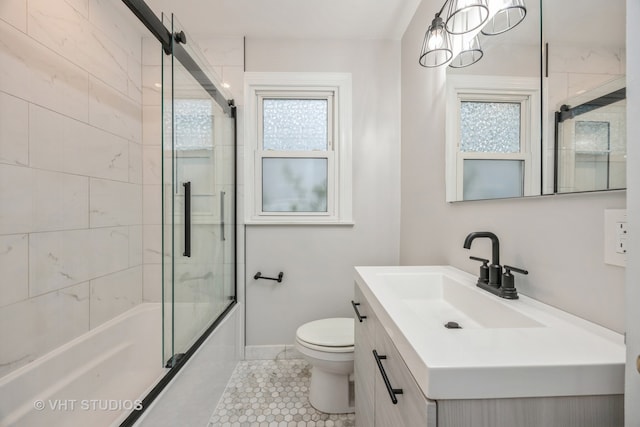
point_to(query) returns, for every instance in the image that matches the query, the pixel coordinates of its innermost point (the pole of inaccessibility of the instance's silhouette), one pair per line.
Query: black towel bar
(259, 275)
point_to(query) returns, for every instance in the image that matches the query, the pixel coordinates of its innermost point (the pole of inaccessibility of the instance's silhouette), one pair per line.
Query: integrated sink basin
(438, 298)
(503, 348)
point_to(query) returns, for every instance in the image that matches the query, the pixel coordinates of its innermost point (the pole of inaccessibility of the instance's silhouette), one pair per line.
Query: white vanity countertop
(506, 348)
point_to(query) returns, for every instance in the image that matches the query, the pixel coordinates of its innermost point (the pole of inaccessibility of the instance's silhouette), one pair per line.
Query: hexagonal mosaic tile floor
(272, 393)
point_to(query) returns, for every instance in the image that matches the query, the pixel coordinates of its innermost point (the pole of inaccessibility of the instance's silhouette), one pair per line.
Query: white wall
(318, 261)
(632, 410)
(70, 171)
(559, 239)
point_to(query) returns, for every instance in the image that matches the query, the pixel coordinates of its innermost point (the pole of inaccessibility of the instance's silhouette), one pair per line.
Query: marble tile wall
(152, 168)
(71, 171)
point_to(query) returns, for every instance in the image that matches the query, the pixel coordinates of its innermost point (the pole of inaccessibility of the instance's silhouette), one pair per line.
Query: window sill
(301, 222)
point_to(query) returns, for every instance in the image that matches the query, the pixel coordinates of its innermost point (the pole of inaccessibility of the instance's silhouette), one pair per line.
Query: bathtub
(95, 379)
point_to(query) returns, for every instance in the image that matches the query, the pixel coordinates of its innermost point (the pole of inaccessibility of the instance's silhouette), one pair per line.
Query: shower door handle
(222, 194)
(187, 218)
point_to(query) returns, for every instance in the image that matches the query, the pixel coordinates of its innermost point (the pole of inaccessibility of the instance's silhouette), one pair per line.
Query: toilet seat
(335, 335)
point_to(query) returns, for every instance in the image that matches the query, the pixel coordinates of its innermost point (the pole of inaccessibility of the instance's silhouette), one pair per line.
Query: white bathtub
(93, 380)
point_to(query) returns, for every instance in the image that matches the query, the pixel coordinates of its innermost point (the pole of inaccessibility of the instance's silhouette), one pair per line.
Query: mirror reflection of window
(491, 128)
(493, 179)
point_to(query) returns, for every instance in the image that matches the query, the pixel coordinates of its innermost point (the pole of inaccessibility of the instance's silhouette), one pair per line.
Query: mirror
(585, 115)
(501, 131)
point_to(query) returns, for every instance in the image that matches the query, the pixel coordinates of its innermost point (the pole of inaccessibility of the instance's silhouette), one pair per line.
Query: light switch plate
(615, 237)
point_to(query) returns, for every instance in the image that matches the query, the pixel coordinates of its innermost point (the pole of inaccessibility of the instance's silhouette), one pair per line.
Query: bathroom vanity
(432, 349)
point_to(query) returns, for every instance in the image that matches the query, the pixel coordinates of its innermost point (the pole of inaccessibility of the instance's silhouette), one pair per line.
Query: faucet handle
(508, 289)
(484, 269)
(508, 269)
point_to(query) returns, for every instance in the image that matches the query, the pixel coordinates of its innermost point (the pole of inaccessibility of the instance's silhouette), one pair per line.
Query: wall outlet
(615, 237)
(621, 237)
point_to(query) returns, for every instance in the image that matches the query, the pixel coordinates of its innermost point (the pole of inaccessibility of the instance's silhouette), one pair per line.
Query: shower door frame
(165, 37)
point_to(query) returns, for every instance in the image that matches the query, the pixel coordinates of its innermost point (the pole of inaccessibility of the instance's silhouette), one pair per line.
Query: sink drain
(452, 325)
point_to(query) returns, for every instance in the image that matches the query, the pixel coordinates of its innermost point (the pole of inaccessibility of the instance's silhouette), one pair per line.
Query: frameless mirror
(585, 115)
(503, 136)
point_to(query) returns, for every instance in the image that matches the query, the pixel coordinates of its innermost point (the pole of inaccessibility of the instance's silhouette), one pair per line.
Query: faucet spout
(495, 270)
(495, 244)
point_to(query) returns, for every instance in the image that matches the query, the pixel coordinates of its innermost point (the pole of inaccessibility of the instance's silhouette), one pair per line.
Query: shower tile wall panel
(151, 122)
(62, 144)
(111, 201)
(114, 112)
(35, 326)
(135, 163)
(115, 293)
(36, 74)
(152, 168)
(71, 171)
(15, 13)
(151, 290)
(33, 200)
(226, 55)
(14, 265)
(14, 136)
(61, 259)
(135, 245)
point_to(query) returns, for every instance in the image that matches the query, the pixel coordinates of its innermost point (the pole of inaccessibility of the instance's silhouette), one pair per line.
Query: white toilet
(327, 344)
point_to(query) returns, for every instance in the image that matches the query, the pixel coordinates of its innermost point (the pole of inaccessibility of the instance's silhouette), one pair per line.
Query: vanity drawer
(364, 363)
(412, 408)
(364, 316)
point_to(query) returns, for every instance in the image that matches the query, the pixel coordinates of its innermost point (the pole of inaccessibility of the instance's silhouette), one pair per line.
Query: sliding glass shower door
(198, 199)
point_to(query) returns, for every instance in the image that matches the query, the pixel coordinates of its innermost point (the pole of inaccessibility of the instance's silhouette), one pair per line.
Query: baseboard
(271, 352)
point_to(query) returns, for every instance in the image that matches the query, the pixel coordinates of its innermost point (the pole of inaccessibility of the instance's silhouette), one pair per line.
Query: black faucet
(495, 270)
(493, 280)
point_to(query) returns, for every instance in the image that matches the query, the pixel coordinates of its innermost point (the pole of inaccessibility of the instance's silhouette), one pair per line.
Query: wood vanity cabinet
(374, 405)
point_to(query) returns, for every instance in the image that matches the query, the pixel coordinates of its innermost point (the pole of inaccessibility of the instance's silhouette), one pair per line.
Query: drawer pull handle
(355, 308)
(392, 391)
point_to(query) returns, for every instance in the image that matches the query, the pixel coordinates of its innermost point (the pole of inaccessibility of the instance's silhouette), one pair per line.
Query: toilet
(327, 344)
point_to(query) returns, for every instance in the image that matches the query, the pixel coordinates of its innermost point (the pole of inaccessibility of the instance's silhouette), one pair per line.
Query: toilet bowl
(327, 344)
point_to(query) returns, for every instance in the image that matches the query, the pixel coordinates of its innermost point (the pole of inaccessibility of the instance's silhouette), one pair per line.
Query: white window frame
(336, 88)
(523, 90)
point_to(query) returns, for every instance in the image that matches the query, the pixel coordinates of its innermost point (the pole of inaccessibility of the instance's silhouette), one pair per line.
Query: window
(298, 148)
(492, 134)
(193, 124)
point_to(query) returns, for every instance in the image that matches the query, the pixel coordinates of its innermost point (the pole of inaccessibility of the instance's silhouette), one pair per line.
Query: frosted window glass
(493, 179)
(295, 124)
(592, 136)
(490, 127)
(294, 185)
(193, 124)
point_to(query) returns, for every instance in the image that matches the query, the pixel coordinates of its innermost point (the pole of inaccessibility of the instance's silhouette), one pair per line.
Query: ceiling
(303, 19)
